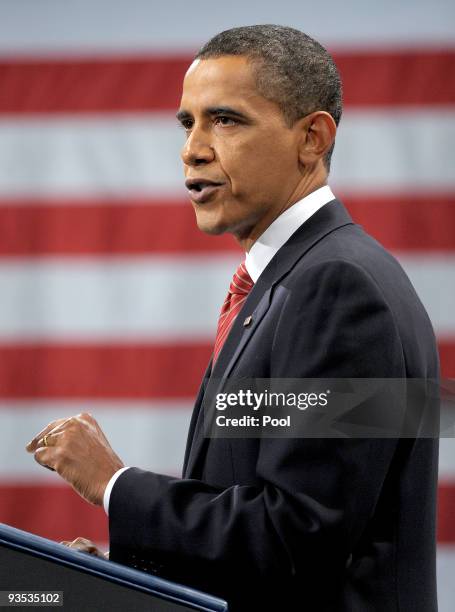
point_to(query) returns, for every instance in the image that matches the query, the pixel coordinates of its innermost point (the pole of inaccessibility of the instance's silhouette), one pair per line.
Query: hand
(86, 546)
(77, 449)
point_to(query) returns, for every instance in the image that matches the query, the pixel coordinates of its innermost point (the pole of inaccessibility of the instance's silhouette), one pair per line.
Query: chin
(209, 225)
(211, 228)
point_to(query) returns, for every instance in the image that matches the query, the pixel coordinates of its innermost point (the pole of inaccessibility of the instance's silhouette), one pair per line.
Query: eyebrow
(213, 111)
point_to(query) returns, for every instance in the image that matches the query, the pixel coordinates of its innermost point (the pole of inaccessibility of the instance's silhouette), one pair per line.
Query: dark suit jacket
(303, 524)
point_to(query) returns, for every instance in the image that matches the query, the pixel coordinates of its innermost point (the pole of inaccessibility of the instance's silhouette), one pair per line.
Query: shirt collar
(282, 229)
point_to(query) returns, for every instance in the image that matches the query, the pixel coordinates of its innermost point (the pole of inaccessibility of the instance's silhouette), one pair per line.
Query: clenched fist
(87, 546)
(77, 449)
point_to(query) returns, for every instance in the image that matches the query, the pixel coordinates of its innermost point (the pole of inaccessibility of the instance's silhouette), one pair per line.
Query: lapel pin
(248, 321)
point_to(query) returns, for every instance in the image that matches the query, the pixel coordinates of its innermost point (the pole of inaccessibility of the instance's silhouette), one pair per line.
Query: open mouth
(198, 187)
(200, 190)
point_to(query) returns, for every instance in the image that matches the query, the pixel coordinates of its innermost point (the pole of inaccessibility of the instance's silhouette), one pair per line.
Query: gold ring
(45, 440)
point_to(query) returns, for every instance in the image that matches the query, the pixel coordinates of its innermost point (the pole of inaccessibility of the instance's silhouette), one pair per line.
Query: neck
(247, 239)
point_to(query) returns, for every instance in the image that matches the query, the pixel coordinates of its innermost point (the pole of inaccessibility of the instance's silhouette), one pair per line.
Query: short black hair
(292, 69)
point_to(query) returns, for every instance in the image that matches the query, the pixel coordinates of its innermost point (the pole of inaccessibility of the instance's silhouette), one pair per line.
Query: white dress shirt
(261, 254)
(282, 229)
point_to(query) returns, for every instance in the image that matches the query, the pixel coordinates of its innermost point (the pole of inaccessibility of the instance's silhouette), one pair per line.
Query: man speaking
(342, 524)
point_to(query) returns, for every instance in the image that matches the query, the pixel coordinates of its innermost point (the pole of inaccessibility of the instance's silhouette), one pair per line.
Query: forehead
(225, 79)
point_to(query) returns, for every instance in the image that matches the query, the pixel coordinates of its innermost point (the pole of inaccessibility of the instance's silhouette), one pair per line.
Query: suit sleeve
(315, 496)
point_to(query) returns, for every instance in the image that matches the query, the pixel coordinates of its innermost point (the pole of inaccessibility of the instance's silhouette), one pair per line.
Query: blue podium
(30, 564)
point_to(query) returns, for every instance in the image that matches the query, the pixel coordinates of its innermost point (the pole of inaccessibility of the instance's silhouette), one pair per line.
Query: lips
(201, 189)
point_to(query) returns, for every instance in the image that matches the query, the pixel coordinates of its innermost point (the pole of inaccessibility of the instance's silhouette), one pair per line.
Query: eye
(225, 121)
(186, 124)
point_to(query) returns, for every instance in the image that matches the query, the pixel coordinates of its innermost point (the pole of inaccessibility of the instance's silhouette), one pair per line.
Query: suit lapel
(195, 417)
(326, 220)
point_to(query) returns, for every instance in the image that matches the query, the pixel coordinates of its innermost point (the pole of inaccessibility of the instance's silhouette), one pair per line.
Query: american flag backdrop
(109, 294)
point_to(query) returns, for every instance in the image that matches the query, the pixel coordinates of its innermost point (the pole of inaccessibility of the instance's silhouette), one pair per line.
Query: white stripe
(91, 156)
(143, 434)
(156, 298)
(394, 151)
(80, 25)
(148, 434)
(447, 457)
(445, 574)
(433, 277)
(114, 156)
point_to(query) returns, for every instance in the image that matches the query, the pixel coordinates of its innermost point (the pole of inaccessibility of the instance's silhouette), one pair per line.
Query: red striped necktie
(239, 289)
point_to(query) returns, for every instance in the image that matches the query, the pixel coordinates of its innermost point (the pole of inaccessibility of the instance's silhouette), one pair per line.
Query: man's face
(240, 158)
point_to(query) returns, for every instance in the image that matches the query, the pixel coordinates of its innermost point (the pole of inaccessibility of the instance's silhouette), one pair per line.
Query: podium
(51, 575)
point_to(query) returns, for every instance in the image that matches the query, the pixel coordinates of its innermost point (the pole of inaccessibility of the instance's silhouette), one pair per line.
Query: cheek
(247, 167)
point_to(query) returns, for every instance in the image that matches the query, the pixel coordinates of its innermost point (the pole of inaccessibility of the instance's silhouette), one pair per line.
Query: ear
(317, 136)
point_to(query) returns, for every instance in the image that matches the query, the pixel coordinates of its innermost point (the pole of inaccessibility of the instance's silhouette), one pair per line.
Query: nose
(197, 149)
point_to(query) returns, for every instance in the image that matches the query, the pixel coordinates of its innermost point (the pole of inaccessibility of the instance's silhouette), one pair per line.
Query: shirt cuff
(108, 489)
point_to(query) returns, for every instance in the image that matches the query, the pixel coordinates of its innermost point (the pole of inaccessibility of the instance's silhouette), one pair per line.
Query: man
(278, 523)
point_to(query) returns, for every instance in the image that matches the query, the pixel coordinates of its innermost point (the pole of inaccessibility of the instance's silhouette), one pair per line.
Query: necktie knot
(241, 281)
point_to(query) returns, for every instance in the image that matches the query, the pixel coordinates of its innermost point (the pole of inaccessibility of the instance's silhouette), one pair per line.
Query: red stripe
(446, 513)
(54, 512)
(58, 513)
(117, 371)
(398, 78)
(405, 223)
(104, 227)
(447, 356)
(125, 84)
(111, 371)
(91, 85)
